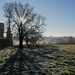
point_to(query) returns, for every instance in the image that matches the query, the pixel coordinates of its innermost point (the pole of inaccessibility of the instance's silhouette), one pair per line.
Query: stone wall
(5, 42)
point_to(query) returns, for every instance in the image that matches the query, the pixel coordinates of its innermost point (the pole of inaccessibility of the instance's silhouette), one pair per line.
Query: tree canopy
(26, 24)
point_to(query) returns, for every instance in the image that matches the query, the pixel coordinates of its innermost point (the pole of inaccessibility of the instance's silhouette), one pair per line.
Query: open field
(48, 60)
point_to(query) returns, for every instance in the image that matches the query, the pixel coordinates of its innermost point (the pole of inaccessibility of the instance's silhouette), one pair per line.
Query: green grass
(66, 47)
(51, 60)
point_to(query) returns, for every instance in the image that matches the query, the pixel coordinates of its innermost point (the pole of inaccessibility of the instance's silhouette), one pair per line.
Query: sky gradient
(59, 14)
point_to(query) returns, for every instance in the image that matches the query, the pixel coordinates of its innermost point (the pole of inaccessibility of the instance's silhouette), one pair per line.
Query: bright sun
(21, 18)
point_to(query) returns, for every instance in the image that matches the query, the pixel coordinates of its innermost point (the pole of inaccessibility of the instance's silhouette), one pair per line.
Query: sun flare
(21, 19)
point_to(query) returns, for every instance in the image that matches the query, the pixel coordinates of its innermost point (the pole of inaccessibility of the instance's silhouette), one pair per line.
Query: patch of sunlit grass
(70, 47)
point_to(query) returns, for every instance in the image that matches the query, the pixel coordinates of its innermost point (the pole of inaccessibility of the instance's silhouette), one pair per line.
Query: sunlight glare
(21, 18)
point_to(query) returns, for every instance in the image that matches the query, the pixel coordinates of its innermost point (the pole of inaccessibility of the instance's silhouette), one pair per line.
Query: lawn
(48, 60)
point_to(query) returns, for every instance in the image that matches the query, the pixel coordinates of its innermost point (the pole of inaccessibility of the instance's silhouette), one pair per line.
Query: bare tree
(24, 21)
(8, 9)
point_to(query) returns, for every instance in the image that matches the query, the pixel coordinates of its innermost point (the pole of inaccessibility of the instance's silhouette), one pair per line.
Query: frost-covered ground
(42, 61)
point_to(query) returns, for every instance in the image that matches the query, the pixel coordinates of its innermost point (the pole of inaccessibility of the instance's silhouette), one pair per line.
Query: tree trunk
(20, 36)
(21, 43)
(27, 43)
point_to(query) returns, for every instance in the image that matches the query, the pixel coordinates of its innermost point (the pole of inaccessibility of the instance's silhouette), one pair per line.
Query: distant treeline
(53, 40)
(60, 40)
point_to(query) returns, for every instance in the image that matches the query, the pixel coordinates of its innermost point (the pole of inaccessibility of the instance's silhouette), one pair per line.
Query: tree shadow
(1, 48)
(20, 64)
(43, 53)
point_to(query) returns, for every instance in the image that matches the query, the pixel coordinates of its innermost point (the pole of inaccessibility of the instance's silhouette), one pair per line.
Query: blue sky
(59, 14)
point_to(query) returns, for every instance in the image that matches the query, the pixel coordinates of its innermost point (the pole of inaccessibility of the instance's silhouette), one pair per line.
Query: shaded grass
(47, 60)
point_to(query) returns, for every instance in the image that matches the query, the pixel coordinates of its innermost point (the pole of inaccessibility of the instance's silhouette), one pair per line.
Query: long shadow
(1, 48)
(43, 53)
(20, 64)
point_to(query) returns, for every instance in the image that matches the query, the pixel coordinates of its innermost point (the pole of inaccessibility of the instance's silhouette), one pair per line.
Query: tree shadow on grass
(1, 48)
(43, 53)
(20, 64)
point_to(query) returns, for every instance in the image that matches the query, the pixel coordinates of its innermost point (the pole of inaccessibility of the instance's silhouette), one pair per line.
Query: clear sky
(59, 14)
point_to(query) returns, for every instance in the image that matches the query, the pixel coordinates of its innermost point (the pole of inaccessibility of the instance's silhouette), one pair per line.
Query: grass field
(48, 60)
